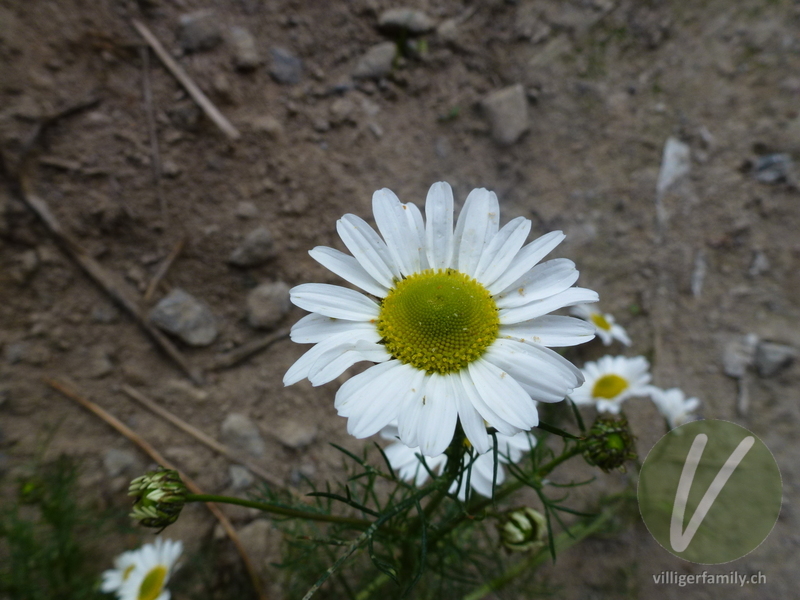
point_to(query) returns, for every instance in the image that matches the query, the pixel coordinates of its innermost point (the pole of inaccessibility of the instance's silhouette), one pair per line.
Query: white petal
(417, 226)
(502, 250)
(537, 308)
(368, 249)
(348, 268)
(438, 416)
(546, 279)
(315, 328)
(552, 331)
(471, 421)
(484, 409)
(334, 301)
(379, 404)
(394, 226)
(337, 360)
(439, 231)
(477, 225)
(336, 343)
(526, 258)
(504, 395)
(544, 377)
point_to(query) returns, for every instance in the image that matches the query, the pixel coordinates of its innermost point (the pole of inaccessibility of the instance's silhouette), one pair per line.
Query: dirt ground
(605, 84)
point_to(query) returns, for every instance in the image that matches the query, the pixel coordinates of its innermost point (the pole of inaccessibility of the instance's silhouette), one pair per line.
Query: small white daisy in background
(604, 323)
(459, 323)
(405, 461)
(146, 571)
(674, 405)
(611, 380)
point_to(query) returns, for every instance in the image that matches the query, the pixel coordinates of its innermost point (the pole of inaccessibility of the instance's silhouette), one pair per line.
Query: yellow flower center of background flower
(153, 583)
(600, 321)
(609, 386)
(438, 321)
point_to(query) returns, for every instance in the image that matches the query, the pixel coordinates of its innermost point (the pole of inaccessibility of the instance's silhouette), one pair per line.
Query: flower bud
(160, 496)
(609, 443)
(522, 529)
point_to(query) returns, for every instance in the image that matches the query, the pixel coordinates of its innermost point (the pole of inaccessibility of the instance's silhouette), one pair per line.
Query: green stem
(279, 510)
(563, 542)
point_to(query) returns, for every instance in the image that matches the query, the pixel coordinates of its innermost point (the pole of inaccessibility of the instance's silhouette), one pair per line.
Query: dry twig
(72, 394)
(199, 435)
(151, 129)
(195, 92)
(242, 353)
(163, 268)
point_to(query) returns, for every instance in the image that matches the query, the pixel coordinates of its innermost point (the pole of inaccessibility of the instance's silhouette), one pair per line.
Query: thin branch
(163, 268)
(110, 419)
(197, 95)
(242, 353)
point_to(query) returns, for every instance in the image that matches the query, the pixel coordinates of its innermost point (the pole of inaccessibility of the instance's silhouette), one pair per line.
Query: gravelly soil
(605, 82)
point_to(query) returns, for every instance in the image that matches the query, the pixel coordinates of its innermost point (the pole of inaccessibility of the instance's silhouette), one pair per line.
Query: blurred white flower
(674, 405)
(606, 327)
(611, 380)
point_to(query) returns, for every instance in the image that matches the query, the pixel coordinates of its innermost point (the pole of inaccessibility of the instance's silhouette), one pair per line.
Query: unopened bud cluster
(522, 529)
(160, 497)
(609, 443)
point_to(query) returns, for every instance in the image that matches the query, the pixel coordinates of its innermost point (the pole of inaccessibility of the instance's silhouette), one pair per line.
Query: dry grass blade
(242, 353)
(163, 268)
(72, 394)
(197, 95)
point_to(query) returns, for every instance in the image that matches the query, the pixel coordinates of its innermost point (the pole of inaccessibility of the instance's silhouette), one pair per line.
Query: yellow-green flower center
(600, 321)
(153, 583)
(609, 386)
(438, 321)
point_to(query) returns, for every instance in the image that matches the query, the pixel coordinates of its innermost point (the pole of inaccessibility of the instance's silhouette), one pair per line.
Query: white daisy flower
(123, 566)
(406, 462)
(153, 566)
(611, 380)
(674, 405)
(605, 326)
(459, 328)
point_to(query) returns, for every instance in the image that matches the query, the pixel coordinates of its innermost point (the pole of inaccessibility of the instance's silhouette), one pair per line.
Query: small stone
(738, 355)
(180, 390)
(507, 111)
(255, 249)
(187, 317)
(772, 358)
(285, 67)
(246, 210)
(170, 169)
(342, 110)
(241, 433)
(773, 168)
(116, 462)
(267, 304)
(396, 21)
(377, 62)
(269, 125)
(99, 364)
(241, 478)
(199, 31)
(676, 162)
(296, 434)
(245, 51)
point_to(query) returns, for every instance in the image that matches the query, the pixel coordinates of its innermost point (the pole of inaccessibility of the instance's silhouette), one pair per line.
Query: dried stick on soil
(155, 155)
(242, 353)
(104, 279)
(70, 393)
(200, 436)
(181, 75)
(163, 268)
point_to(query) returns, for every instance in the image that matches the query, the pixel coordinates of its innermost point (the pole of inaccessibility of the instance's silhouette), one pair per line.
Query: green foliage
(45, 538)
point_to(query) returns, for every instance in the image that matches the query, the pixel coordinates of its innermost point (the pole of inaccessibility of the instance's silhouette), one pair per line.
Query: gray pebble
(771, 358)
(738, 355)
(285, 66)
(773, 168)
(267, 304)
(255, 249)
(377, 62)
(241, 478)
(241, 433)
(187, 317)
(246, 210)
(507, 112)
(99, 364)
(245, 51)
(199, 31)
(296, 434)
(405, 20)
